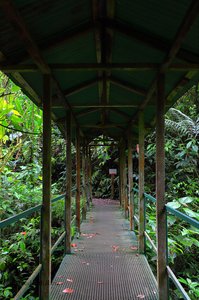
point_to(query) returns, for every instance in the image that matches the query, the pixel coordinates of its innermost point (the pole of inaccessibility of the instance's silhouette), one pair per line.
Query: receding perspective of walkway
(104, 264)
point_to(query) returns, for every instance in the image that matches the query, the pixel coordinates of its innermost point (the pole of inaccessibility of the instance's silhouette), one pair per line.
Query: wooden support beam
(184, 28)
(88, 196)
(78, 181)
(84, 85)
(62, 38)
(151, 40)
(128, 86)
(88, 67)
(141, 183)
(98, 10)
(90, 174)
(130, 182)
(85, 112)
(186, 25)
(122, 167)
(106, 67)
(104, 126)
(110, 106)
(17, 22)
(162, 277)
(46, 202)
(68, 186)
(84, 209)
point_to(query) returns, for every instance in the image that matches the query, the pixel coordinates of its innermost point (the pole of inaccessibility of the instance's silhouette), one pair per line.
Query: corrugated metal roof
(78, 32)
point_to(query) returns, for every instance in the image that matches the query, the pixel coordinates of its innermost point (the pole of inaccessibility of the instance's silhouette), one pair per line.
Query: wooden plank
(46, 201)
(162, 277)
(78, 181)
(68, 197)
(130, 181)
(141, 183)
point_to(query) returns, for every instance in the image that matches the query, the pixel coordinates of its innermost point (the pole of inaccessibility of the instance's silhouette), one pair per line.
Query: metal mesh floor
(104, 264)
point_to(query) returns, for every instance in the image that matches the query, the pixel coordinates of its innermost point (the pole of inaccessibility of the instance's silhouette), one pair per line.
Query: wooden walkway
(104, 264)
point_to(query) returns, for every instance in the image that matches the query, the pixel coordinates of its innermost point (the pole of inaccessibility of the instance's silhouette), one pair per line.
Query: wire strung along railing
(178, 214)
(25, 214)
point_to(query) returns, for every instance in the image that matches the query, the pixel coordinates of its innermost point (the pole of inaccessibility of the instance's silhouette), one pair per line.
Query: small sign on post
(112, 172)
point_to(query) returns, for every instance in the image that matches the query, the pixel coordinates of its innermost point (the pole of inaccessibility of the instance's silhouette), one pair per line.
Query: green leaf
(185, 200)
(22, 246)
(191, 213)
(174, 204)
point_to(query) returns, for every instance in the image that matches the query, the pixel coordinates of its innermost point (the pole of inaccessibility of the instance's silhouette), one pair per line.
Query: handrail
(21, 215)
(181, 216)
(28, 282)
(26, 213)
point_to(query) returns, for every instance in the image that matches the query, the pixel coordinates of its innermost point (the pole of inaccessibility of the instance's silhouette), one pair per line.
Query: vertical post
(130, 182)
(68, 185)
(46, 204)
(112, 186)
(84, 183)
(122, 167)
(78, 181)
(87, 176)
(90, 174)
(141, 183)
(162, 277)
(120, 176)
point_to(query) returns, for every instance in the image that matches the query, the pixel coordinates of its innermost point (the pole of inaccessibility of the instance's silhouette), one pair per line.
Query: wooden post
(120, 176)
(141, 183)
(68, 185)
(90, 174)
(78, 181)
(112, 186)
(130, 182)
(84, 183)
(125, 186)
(87, 176)
(121, 162)
(162, 277)
(123, 179)
(46, 204)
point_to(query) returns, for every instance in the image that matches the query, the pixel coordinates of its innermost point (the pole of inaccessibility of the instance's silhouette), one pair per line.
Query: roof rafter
(150, 40)
(128, 86)
(183, 30)
(19, 26)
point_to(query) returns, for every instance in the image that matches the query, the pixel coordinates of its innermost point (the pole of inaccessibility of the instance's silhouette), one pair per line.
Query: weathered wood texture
(46, 203)
(160, 194)
(130, 182)
(68, 185)
(84, 209)
(141, 182)
(78, 181)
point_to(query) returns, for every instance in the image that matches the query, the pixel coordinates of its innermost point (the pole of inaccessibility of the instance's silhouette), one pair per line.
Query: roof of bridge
(104, 57)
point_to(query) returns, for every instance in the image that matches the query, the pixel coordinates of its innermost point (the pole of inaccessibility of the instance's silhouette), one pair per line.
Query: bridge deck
(104, 264)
